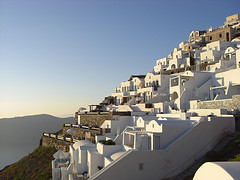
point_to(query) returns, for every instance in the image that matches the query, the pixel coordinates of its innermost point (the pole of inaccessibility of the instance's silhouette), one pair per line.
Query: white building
(166, 132)
(149, 142)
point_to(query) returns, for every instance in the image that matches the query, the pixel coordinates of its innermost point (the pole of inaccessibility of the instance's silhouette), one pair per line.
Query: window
(140, 166)
(174, 82)
(152, 125)
(210, 38)
(149, 142)
(173, 66)
(227, 34)
(220, 35)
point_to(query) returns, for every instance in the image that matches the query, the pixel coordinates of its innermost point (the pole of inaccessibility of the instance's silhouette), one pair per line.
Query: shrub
(108, 142)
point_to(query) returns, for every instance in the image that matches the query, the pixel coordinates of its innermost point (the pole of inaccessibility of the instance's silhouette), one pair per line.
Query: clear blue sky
(59, 55)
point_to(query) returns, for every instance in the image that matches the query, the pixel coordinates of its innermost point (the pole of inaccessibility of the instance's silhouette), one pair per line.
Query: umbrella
(71, 130)
(60, 155)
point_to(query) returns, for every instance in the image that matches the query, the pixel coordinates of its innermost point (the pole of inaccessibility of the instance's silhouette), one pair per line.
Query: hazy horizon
(59, 55)
(29, 115)
(19, 136)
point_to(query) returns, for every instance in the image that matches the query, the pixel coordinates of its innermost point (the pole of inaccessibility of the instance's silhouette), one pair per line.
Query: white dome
(218, 171)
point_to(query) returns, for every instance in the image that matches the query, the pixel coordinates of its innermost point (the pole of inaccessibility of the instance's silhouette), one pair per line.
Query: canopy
(71, 130)
(61, 155)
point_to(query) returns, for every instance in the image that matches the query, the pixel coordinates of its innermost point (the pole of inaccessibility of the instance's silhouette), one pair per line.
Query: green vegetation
(231, 152)
(108, 142)
(37, 165)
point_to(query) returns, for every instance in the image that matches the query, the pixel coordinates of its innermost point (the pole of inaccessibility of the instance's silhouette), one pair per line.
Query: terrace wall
(229, 104)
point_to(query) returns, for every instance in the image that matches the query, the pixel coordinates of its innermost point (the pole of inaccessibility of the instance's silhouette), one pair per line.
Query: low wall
(93, 118)
(202, 67)
(84, 132)
(229, 104)
(98, 118)
(56, 143)
(205, 112)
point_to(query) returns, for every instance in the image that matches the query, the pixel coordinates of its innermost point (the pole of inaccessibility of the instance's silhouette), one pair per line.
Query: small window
(210, 38)
(140, 166)
(220, 35)
(153, 126)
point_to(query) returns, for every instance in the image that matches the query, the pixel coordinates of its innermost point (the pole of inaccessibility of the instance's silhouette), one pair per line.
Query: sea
(19, 136)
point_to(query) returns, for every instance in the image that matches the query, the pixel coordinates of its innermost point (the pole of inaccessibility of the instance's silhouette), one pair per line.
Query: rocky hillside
(19, 136)
(37, 165)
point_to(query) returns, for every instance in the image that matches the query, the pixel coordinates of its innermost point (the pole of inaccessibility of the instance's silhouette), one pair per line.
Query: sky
(59, 55)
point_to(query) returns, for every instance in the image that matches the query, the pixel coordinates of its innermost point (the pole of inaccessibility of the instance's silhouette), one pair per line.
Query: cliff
(37, 165)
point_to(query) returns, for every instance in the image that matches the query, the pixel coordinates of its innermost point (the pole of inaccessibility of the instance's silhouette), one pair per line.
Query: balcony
(125, 94)
(133, 93)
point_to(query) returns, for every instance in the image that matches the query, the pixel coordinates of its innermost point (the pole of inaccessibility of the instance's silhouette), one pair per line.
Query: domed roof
(218, 170)
(78, 144)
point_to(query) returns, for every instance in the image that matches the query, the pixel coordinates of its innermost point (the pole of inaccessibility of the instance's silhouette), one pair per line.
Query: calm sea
(21, 135)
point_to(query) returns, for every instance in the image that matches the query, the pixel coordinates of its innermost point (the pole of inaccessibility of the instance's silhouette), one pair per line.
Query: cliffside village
(155, 126)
